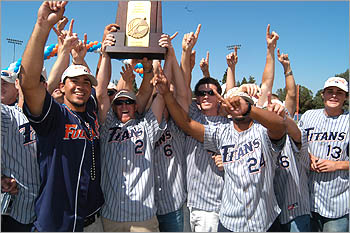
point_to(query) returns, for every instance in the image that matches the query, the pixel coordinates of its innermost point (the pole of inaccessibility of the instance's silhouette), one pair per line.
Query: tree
(317, 100)
(344, 75)
(305, 99)
(224, 77)
(281, 93)
(251, 79)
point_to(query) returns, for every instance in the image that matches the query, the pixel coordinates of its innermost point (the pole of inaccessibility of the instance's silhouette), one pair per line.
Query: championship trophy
(140, 30)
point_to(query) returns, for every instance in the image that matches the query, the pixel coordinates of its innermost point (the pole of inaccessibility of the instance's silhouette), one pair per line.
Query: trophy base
(120, 51)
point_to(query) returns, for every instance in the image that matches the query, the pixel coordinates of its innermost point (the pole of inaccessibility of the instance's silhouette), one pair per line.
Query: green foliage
(281, 93)
(317, 100)
(344, 75)
(305, 99)
(224, 77)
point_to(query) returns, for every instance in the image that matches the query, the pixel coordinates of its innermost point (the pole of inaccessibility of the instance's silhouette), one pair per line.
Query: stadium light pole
(14, 42)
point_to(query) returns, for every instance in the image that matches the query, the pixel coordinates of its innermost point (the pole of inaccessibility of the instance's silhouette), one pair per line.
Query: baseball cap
(234, 92)
(77, 70)
(337, 82)
(111, 86)
(8, 76)
(125, 93)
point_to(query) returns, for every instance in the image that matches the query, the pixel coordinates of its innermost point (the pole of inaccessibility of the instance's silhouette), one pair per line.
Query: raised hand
(80, 50)
(127, 72)
(204, 65)
(251, 89)
(110, 28)
(59, 28)
(271, 38)
(283, 59)
(160, 81)
(67, 39)
(190, 39)
(51, 12)
(232, 58)
(108, 41)
(275, 107)
(165, 42)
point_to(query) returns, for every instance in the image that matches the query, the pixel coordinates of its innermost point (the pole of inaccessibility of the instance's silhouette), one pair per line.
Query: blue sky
(314, 34)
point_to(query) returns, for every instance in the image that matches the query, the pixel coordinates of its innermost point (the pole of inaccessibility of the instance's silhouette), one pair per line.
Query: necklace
(93, 164)
(89, 136)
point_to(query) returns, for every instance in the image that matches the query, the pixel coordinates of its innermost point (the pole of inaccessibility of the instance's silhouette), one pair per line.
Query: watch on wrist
(288, 73)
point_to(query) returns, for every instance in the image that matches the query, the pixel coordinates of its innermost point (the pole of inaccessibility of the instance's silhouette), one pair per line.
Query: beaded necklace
(89, 136)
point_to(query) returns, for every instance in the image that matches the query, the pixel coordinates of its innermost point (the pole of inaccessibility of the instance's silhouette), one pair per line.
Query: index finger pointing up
(70, 31)
(198, 30)
(207, 58)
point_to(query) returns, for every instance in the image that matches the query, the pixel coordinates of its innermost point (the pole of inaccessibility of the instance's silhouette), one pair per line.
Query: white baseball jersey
(127, 167)
(204, 180)
(328, 138)
(249, 157)
(169, 160)
(19, 161)
(291, 181)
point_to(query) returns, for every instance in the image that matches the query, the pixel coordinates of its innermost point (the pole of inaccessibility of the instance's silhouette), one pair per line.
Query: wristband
(249, 109)
(289, 73)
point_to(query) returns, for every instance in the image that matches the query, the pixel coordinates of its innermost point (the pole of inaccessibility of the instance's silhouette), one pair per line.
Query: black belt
(91, 219)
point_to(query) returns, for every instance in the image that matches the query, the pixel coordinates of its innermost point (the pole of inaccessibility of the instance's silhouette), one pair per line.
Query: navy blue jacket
(65, 142)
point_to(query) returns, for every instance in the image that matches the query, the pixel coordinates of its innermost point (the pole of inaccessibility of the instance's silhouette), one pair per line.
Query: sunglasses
(127, 102)
(203, 93)
(110, 92)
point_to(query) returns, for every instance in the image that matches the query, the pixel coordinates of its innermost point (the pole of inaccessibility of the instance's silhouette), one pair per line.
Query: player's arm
(108, 29)
(146, 88)
(176, 75)
(269, 70)
(103, 79)
(231, 60)
(181, 118)
(290, 83)
(33, 57)
(67, 40)
(188, 42)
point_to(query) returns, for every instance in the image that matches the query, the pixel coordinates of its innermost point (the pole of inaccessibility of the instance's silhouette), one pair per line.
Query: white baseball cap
(8, 76)
(337, 82)
(77, 70)
(125, 93)
(111, 86)
(234, 92)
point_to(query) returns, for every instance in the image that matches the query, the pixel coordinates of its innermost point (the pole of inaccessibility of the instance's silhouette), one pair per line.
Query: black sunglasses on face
(110, 92)
(203, 93)
(127, 102)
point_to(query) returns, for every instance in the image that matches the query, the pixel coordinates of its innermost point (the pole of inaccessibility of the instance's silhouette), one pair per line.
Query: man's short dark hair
(207, 80)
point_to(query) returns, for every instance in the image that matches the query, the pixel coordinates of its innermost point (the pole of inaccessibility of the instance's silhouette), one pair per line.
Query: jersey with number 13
(328, 138)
